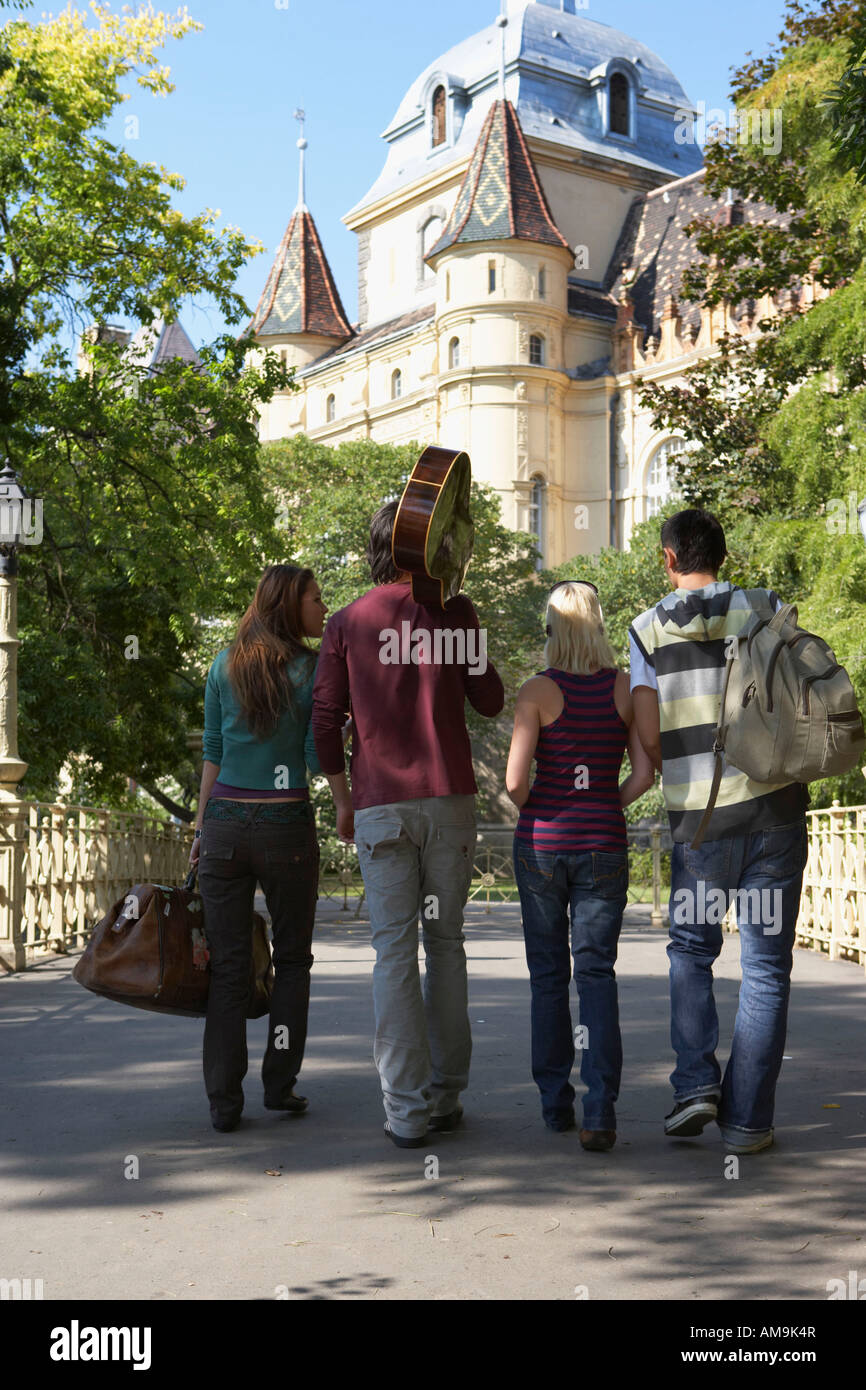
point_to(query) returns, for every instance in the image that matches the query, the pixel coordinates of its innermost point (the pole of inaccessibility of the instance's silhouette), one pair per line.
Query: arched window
(439, 116)
(536, 516)
(454, 353)
(396, 385)
(536, 350)
(619, 104)
(430, 234)
(331, 409)
(659, 482)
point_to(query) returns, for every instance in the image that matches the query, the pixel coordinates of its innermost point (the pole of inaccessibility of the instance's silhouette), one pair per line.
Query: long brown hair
(269, 635)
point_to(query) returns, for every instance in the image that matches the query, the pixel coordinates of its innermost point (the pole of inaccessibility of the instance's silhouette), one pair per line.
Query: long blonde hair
(576, 639)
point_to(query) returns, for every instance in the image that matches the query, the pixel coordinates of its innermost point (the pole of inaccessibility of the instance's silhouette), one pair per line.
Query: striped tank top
(574, 802)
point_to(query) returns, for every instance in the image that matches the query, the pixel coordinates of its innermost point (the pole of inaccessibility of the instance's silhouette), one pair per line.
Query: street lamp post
(12, 769)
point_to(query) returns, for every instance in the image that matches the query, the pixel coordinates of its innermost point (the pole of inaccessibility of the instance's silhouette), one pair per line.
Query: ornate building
(519, 259)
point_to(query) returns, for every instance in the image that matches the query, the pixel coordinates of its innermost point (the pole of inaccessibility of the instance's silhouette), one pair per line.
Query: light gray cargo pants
(416, 860)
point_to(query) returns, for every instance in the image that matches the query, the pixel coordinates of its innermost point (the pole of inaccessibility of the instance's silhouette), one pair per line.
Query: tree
(780, 424)
(154, 510)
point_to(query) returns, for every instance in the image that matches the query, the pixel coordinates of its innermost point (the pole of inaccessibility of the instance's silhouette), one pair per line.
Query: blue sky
(229, 128)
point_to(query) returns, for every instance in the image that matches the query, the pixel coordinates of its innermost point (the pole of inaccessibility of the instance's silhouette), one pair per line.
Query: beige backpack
(788, 711)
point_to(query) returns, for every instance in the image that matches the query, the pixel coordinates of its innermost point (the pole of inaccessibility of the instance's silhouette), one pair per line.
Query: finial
(502, 22)
(300, 117)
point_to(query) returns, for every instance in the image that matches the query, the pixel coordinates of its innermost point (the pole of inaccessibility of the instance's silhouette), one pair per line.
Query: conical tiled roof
(501, 195)
(300, 295)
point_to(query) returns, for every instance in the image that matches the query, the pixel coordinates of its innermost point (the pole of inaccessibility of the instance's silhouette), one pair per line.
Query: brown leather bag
(150, 951)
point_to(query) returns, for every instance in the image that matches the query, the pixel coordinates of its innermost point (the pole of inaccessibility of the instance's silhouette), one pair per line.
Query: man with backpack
(752, 852)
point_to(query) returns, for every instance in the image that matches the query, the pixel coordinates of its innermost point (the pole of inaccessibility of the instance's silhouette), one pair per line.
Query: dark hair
(697, 539)
(379, 556)
(269, 635)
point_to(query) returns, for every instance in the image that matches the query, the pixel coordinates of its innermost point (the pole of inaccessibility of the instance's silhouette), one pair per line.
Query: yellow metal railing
(62, 868)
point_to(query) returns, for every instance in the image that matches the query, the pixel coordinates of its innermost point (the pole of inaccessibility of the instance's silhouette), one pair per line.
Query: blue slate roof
(552, 58)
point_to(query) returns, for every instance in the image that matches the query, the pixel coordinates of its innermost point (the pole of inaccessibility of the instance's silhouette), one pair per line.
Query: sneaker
(688, 1117)
(225, 1123)
(295, 1104)
(444, 1124)
(599, 1141)
(403, 1141)
(560, 1121)
(741, 1142)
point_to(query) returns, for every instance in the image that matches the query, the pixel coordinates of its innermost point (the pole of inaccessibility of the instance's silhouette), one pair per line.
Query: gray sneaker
(743, 1141)
(688, 1117)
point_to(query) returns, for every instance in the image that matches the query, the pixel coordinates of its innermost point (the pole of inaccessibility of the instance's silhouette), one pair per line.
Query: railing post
(13, 853)
(837, 887)
(657, 917)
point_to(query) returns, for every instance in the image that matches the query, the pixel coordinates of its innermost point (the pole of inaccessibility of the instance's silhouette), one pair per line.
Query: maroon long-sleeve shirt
(403, 671)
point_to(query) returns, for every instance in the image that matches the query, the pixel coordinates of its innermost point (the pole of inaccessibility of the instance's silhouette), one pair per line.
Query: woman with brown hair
(255, 824)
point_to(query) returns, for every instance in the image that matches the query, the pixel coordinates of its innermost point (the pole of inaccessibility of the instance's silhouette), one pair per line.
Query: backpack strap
(718, 770)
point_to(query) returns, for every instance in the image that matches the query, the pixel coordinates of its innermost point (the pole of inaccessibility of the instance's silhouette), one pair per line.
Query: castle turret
(300, 315)
(502, 268)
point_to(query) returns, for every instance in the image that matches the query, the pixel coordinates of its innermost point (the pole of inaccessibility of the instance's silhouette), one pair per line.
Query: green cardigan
(273, 764)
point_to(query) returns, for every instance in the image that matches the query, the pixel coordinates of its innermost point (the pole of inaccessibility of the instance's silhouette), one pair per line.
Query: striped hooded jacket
(684, 640)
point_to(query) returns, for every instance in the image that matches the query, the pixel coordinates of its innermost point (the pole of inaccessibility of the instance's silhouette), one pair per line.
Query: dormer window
(619, 105)
(440, 116)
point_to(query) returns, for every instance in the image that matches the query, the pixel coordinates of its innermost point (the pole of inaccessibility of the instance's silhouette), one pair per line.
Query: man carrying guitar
(413, 790)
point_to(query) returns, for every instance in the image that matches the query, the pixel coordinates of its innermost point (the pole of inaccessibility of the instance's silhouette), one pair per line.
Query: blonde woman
(570, 853)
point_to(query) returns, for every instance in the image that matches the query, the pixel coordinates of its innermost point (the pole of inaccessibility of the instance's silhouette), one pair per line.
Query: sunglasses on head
(558, 585)
(560, 582)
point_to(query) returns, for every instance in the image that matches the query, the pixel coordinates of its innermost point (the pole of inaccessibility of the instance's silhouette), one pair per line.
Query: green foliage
(845, 104)
(153, 507)
(778, 427)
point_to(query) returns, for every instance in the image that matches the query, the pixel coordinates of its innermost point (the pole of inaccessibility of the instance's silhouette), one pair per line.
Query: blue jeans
(590, 889)
(765, 871)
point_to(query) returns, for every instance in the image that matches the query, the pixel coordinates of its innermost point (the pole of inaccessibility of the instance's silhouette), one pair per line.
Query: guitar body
(433, 531)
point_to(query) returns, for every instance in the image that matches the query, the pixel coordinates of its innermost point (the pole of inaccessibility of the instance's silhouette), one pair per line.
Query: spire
(501, 195)
(300, 295)
(301, 116)
(502, 21)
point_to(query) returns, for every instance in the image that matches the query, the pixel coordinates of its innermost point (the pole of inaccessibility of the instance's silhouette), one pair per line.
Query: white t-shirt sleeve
(641, 673)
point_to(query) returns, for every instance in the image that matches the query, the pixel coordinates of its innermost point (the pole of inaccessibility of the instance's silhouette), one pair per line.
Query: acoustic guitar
(433, 532)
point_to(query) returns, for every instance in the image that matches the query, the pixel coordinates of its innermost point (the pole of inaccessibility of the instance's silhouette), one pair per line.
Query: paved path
(516, 1211)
